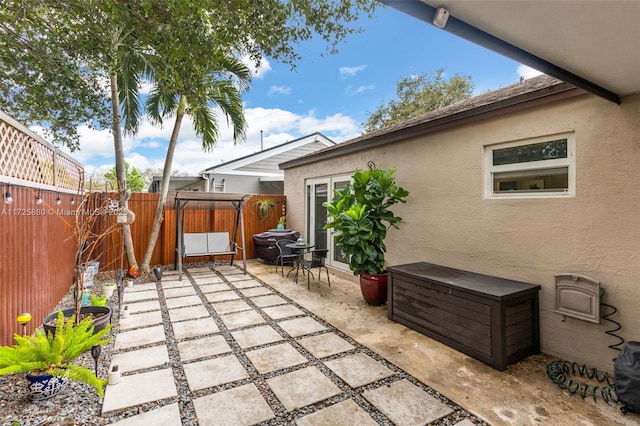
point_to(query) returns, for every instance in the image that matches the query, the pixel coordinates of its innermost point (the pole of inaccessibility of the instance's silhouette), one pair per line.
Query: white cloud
(258, 72)
(282, 90)
(351, 71)
(145, 87)
(528, 72)
(350, 90)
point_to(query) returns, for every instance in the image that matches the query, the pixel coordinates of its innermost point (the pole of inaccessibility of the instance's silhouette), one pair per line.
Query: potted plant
(282, 223)
(360, 217)
(264, 207)
(108, 288)
(47, 358)
(98, 300)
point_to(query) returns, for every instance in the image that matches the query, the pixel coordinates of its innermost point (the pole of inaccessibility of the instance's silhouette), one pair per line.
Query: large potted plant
(47, 358)
(360, 217)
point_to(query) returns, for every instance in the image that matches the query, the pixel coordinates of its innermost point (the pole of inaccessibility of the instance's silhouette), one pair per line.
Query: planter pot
(374, 288)
(102, 314)
(108, 290)
(43, 386)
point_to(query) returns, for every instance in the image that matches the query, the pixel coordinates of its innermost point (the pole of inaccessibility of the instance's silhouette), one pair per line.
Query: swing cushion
(208, 244)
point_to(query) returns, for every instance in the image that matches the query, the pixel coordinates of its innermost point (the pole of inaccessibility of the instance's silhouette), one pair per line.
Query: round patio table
(300, 250)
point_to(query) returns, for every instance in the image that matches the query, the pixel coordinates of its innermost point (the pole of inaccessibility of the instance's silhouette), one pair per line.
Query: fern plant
(53, 353)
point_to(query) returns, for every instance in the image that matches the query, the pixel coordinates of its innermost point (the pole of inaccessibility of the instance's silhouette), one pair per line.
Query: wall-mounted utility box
(578, 296)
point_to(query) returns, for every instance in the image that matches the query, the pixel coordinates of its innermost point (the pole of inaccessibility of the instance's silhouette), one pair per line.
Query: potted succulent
(108, 288)
(98, 300)
(360, 217)
(282, 223)
(47, 358)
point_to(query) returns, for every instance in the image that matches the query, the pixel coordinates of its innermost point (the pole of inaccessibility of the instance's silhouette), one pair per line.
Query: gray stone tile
(179, 302)
(282, 311)
(358, 369)
(139, 337)
(212, 288)
(179, 291)
(136, 307)
(246, 283)
(326, 344)
(345, 413)
(302, 387)
(256, 291)
(134, 296)
(213, 279)
(169, 415)
(406, 404)
(214, 372)
(203, 347)
(139, 389)
(175, 283)
(141, 359)
(300, 326)
(194, 328)
(222, 296)
(187, 313)
(241, 319)
(237, 277)
(143, 319)
(234, 407)
(271, 300)
(230, 306)
(256, 336)
(275, 358)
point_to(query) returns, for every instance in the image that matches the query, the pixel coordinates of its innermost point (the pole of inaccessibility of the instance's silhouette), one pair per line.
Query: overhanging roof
(209, 196)
(591, 44)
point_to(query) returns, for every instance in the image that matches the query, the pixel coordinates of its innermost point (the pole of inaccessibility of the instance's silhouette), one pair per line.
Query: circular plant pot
(44, 386)
(102, 316)
(374, 288)
(107, 290)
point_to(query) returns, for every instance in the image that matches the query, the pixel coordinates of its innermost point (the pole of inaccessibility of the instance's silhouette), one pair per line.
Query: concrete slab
(175, 283)
(236, 277)
(256, 336)
(199, 269)
(137, 307)
(264, 301)
(241, 319)
(275, 358)
(326, 344)
(179, 291)
(256, 291)
(246, 283)
(213, 279)
(230, 306)
(134, 296)
(140, 359)
(187, 313)
(465, 422)
(228, 269)
(358, 369)
(200, 348)
(193, 328)
(143, 319)
(282, 311)
(139, 337)
(212, 288)
(345, 413)
(302, 387)
(169, 415)
(214, 372)
(297, 327)
(222, 296)
(179, 302)
(406, 404)
(234, 407)
(139, 389)
(140, 287)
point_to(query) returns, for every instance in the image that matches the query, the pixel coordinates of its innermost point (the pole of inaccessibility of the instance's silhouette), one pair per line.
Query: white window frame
(568, 162)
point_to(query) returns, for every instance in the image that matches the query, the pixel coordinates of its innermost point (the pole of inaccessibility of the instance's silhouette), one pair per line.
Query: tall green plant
(360, 218)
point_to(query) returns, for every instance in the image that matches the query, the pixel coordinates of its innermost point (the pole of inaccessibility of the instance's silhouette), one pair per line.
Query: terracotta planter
(374, 288)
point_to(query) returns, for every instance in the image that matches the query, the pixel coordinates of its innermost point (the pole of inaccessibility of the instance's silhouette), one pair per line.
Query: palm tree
(222, 87)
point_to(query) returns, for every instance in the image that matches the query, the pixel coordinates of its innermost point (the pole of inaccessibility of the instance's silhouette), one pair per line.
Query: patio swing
(212, 243)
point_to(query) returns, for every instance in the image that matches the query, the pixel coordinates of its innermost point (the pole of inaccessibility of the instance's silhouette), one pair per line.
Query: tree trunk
(164, 188)
(120, 169)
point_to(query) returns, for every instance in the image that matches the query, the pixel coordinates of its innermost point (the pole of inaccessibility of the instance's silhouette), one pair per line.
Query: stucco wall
(448, 221)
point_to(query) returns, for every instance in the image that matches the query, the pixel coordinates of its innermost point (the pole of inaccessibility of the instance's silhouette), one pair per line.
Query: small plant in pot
(360, 217)
(47, 358)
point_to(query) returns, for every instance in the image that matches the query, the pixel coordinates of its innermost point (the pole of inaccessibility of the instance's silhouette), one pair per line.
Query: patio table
(300, 250)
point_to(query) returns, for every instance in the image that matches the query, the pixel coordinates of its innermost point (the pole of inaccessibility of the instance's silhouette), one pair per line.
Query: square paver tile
(169, 415)
(143, 319)
(282, 311)
(241, 319)
(136, 307)
(200, 348)
(139, 337)
(256, 336)
(270, 300)
(222, 296)
(230, 306)
(358, 369)
(326, 344)
(140, 287)
(214, 372)
(301, 326)
(198, 269)
(212, 288)
(176, 284)
(195, 327)
(228, 269)
(406, 404)
(179, 302)
(189, 312)
(256, 291)
(134, 296)
(213, 279)
(179, 291)
(141, 358)
(246, 283)
(239, 406)
(275, 358)
(302, 387)
(138, 389)
(237, 277)
(345, 413)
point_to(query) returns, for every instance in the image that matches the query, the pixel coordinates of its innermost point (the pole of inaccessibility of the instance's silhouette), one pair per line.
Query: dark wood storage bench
(492, 319)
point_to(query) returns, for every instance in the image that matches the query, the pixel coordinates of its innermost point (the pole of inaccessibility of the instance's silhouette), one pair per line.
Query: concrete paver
(264, 301)
(187, 313)
(282, 311)
(141, 287)
(133, 296)
(275, 358)
(193, 328)
(175, 283)
(212, 288)
(179, 291)
(139, 337)
(143, 319)
(203, 347)
(140, 359)
(214, 372)
(358, 369)
(208, 280)
(136, 307)
(256, 336)
(230, 306)
(302, 387)
(345, 413)
(301, 326)
(138, 389)
(246, 283)
(179, 302)
(256, 291)
(234, 407)
(241, 319)
(222, 296)
(326, 344)
(169, 415)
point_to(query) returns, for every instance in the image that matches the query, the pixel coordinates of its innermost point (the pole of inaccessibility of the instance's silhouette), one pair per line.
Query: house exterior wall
(448, 220)
(238, 184)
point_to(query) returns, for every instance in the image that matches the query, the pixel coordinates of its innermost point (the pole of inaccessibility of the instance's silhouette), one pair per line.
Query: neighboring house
(256, 173)
(478, 203)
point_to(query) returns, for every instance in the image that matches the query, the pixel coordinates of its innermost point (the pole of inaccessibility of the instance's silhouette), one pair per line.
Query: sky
(331, 94)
